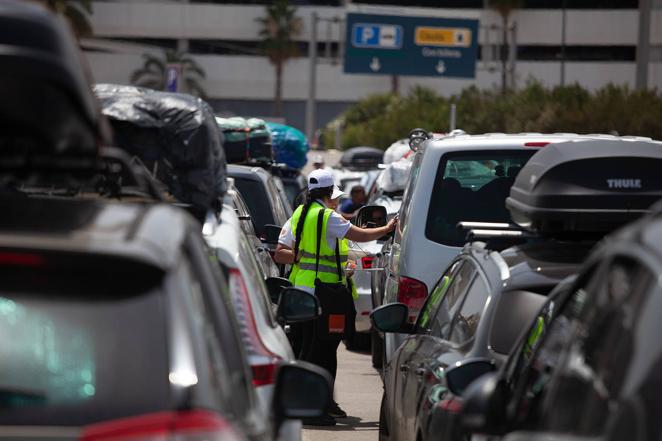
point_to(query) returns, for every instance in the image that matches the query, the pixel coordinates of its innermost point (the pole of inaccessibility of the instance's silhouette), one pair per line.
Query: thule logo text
(624, 183)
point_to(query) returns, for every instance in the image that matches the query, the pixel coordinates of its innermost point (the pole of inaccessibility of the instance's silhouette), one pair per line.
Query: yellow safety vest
(303, 272)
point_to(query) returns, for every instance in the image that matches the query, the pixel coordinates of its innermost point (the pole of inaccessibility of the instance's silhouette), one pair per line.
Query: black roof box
(586, 186)
(47, 103)
(362, 157)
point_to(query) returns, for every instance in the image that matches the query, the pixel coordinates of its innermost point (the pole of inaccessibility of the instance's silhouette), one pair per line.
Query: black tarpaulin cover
(176, 137)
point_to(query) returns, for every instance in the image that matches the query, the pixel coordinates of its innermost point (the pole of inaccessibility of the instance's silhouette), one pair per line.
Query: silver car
(454, 178)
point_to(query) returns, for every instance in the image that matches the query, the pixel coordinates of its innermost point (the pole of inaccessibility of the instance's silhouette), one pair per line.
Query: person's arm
(367, 234)
(284, 255)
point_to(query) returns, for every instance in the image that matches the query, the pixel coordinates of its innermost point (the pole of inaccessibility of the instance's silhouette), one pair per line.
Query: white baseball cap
(323, 179)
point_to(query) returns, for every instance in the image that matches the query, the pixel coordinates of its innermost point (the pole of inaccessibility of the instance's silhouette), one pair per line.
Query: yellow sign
(449, 37)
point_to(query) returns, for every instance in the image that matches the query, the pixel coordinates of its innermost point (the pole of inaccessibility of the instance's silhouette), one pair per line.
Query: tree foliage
(279, 29)
(153, 72)
(379, 120)
(77, 12)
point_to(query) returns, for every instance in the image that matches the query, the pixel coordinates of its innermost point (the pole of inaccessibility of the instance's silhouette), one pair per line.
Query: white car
(265, 340)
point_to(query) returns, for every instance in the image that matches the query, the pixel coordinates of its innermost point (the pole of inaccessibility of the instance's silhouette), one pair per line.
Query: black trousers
(324, 353)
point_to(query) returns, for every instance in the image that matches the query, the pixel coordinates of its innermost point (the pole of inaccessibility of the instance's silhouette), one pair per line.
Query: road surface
(359, 393)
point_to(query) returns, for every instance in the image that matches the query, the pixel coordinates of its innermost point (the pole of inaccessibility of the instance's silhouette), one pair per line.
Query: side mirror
(371, 214)
(275, 285)
(302, 390)
(463, 373)
(296, 305)
(392, 318)
(417, 137)
(485, 402)
(271, 234)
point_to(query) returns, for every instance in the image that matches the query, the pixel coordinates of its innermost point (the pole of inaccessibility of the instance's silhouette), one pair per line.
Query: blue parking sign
(377, 36)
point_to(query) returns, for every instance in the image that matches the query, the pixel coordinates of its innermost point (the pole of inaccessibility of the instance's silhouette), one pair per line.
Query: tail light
(163, 426)
(264, 370)
(536, 143)
(412, 293)
(366, 262)
(21, 259)
(450, 405)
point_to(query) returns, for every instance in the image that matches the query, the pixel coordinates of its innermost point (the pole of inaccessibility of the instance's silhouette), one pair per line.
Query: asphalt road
(359, 393)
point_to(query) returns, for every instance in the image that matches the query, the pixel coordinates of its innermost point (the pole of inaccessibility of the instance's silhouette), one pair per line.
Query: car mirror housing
(271, 234)
(484, 409)
(371, 216)
(296, 306)
(465, 372)
(275, 285)
(391, 318)
(302, 390)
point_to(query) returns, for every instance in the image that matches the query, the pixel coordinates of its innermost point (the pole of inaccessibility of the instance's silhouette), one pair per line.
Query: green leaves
(379, 120)
(76, 12)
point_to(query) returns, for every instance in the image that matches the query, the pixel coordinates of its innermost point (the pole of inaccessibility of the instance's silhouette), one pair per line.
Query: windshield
(471, 187)
(60, 366)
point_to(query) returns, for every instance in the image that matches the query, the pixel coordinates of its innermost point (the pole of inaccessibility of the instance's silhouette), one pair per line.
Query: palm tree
(505, 8)
(153, 72)
(76, 12)
(279, 29)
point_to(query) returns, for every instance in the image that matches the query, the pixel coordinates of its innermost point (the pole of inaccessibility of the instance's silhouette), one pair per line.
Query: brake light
(450, 405)
(366, 262)
(163, 426)
(412, 293)
(536, 143)
(264, 369)
(21, 259)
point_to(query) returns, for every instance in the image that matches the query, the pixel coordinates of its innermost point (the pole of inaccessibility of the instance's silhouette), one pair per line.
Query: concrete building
(601, 45)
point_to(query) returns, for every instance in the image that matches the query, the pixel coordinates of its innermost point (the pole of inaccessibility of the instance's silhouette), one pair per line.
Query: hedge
(379, 120)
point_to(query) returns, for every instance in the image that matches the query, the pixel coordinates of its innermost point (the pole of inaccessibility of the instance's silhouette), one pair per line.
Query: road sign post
(423, 46)
(173, 75)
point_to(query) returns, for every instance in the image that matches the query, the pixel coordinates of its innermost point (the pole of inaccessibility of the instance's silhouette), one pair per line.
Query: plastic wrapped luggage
(586, 186)
(259, 141)
(290, 145)
(235, 133)
(175, 136)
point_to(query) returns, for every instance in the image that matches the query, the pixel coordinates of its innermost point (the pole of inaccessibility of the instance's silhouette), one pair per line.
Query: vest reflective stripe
(303, 273)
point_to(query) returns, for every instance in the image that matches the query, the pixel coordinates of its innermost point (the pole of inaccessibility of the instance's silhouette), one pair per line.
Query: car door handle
(420, 372)
(404, 368)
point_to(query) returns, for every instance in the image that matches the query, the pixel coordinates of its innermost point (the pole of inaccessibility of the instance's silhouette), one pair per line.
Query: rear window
(471, 187)
(257, 199)
(80, 344)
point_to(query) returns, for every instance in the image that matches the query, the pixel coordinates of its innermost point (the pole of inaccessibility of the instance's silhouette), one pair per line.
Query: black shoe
(336, 412)
(324, 420)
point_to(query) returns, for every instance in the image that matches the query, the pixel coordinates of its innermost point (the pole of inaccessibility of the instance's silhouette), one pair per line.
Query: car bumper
(363, 307)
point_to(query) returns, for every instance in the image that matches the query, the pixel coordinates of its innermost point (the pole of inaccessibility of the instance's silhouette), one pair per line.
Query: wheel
(377, 349)
(384, 432)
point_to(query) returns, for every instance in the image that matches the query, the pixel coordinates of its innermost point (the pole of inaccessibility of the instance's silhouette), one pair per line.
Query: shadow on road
(348, 424)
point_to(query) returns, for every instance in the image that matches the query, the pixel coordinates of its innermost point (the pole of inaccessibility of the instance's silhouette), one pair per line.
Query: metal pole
(513, 55)
(643, 46)
(338, 140)
(563, 41)
(312, 79)
(453, 118)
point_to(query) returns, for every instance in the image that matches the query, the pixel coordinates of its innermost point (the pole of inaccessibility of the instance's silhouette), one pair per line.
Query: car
(453, 178)
(263, 336)
(262, 196)
(294, 182)
(72, 270)
(362, 158)
(235, 201)
(477, 310)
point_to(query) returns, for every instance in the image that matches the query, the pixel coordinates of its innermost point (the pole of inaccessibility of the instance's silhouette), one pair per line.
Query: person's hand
(392, 224)
(350, 268)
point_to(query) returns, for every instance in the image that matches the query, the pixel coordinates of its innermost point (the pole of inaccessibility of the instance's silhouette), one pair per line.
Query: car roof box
(47, 104)
(586, 186)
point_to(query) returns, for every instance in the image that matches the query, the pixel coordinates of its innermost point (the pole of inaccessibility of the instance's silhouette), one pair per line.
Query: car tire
(384, 432)
(376, 349)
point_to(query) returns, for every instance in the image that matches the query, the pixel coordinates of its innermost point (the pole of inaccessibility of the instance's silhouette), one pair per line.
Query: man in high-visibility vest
(298, 246)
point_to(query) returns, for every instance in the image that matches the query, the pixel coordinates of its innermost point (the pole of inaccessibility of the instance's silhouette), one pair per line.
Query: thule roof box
(586, 186)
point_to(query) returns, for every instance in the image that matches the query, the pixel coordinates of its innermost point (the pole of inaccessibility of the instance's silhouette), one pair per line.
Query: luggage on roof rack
(290, 145)
(586, 186)
(175, 136)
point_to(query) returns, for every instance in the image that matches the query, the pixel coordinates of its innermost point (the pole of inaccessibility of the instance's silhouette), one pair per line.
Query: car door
(598, 357)
(419, 352)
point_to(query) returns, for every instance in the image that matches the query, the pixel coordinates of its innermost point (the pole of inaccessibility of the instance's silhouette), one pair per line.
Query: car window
(471, 186)
(62, 342)
(409, 190)
(601, 348)
(282, 206)
(541, 351)
(258, 293)
(435, 297)
(466, 320)
(258, 201)
(441, 323)
(242, 210)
